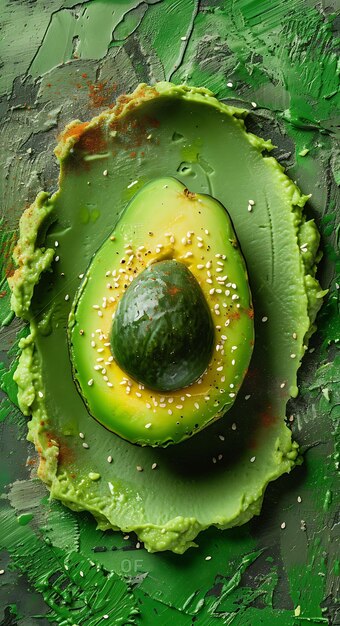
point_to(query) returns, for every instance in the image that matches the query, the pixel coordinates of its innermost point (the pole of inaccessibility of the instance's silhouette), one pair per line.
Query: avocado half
(167, 495)
(161, 332)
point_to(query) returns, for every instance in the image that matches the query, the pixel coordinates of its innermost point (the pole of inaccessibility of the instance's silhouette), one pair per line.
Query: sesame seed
(231, 395)
(109, 384)
(81, 435)
(170, 411)
(105, 173)
(106, 615)
(229, 84)
(2, 571)
(293, 356)
(264, 319)
(252, 459)
(200, 266)
(251, 202)
(109, 459)
(214, 460)
(208, 558)
(253, 104)
(247, 396)
(172, 239)
(206, 231)
(179, 406)
(154, 466)
(283, 525)
(90, 382)
(67, 297)
(209, 281)
(81, 276)
(86, 445)
(139, 468)
(220, 457)
(282, 385)
(207, 398)
(233, 361)
(233, 426)
(212, 291)
(148, 405)
(148, 425)
(57, 258)
(219, 368)
(208, 265)
(294, 335)
(196, 405)
(221, 437)
(299, 499)
(235, 297)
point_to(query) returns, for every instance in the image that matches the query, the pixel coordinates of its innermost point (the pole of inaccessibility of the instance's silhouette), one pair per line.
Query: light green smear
(276, 217)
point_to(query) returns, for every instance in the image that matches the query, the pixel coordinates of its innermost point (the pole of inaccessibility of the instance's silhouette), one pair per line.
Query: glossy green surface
(162, 334)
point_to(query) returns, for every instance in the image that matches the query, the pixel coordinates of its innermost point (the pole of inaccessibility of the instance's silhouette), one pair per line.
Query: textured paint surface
(283, 59)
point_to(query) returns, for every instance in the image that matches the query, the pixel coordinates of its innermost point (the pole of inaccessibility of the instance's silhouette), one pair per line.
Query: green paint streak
(81, 592)
(25, 518)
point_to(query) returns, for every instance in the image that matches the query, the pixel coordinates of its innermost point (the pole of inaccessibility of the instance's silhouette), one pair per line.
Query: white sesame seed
(252, 459)
(170, 411)
(81, 435)
(229, 84)
(282, 385)
(251, 202)
(221, 437)
(253, 104)
(208, 558)
(196, 405)
(214, 460)
(81, 276)
(148, 405)
(105, 173)
(208, 265)
(233, 426)
(90, 382)
(109, 459)
(233, 362)
(138, 394)
(154, 466)
(2, 571)
(207, 398)
(209, 281)
(148, 425)
(293, 356)
(200, 266)
(67, 297)
(206, 231)
(283, 525)
(264, 319)
(231, 395)
(299, 499)
(172, 239)
(57, 258)
(139, 468)
(212, 291)
(86, 445)
(219, 368)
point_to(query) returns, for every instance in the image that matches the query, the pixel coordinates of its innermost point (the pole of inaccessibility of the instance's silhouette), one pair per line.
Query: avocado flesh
(185, 133)
(179, 232)
(162, 334)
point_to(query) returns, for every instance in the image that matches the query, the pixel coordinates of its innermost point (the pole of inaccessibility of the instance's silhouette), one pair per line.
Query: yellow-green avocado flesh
(218, 477)
(195, 232)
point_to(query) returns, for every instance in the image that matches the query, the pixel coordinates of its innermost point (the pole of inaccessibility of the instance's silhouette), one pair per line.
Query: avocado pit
(163, 332)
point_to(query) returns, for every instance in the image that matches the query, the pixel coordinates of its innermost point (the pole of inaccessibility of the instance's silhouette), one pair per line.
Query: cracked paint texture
(279, 61)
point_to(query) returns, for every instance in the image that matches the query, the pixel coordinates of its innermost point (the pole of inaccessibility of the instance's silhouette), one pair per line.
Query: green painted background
(70, 59)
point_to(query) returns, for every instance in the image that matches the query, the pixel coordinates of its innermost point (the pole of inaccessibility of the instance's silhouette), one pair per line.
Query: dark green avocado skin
(163, 333)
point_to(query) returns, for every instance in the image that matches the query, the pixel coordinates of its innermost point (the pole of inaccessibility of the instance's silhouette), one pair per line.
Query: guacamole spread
(218, 476)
